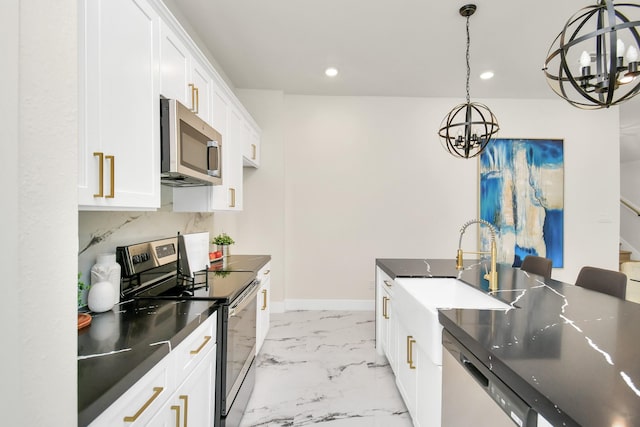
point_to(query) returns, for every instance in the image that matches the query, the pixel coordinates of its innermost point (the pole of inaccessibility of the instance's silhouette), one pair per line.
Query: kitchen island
(572, 354)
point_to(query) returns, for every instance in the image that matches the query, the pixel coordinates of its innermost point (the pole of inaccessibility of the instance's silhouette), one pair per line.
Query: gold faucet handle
(459, 260)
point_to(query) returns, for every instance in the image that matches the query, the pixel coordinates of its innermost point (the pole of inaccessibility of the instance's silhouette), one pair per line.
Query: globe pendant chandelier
(468, 128)
(593, 62)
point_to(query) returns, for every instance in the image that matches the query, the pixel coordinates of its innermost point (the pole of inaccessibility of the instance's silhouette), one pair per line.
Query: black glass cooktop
(222, 286)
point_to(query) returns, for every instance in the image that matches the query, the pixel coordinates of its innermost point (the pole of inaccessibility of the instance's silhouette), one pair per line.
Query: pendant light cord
(468, 66)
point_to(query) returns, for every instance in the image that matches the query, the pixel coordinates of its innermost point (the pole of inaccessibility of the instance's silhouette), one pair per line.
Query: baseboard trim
(323, 304)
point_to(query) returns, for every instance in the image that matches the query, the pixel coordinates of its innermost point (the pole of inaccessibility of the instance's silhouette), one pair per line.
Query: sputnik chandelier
(593, 62)
(468, 128)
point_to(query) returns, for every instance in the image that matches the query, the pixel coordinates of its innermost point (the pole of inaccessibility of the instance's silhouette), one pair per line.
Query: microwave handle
(213, 145)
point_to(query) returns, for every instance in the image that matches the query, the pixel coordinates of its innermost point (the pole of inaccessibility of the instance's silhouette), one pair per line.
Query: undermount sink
(421, 298)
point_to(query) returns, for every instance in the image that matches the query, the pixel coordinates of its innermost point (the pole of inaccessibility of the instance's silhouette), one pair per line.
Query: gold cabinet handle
(112, 162)
(206, 340)
(232, 193)
(193, 97)
(385, 309)
(185, 400)
(100, 174)
(197, 107)
(388, 283)
(266, 272)
(410, 342)
(264, 299)
(253, 151)
(176, 408)
(156, 393)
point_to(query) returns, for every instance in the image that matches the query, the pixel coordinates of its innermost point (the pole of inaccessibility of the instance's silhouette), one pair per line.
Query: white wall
(366, 178)
(39, 149)
(629, 221)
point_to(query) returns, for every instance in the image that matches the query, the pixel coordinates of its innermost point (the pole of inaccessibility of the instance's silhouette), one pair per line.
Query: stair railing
(630, 206)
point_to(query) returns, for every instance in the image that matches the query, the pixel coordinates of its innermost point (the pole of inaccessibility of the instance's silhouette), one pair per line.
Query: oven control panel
(141, 257)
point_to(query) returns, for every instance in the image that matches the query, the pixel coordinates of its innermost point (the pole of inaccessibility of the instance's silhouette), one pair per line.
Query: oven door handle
(246, 300)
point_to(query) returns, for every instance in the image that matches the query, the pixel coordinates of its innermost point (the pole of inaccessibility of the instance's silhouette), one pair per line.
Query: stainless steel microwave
(191, 150)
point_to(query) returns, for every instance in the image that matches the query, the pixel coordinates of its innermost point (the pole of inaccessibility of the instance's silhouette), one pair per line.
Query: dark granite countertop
(121, 345)
(572, 354)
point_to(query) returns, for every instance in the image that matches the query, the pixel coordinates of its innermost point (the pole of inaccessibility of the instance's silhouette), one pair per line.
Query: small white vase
(101, 297)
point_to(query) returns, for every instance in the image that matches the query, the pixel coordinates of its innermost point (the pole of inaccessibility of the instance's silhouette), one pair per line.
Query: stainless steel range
(151, 270)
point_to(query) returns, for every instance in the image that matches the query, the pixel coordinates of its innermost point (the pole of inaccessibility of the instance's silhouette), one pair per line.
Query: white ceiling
(388, 47)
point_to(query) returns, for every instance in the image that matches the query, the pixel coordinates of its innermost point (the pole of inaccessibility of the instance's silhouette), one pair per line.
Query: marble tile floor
(321, 367)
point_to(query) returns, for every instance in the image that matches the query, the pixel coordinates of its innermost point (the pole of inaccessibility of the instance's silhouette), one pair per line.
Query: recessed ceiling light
(331, 72)
(486, 75)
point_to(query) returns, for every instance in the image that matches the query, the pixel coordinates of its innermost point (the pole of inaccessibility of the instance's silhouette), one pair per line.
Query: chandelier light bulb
(620, 48)
(607, 30)
(632, 54)
(585, 59)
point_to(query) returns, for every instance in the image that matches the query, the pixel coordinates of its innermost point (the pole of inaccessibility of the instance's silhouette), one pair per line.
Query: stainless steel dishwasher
(473, 396)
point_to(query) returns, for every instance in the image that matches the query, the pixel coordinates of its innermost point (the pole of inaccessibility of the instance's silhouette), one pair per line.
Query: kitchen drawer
(264, 273)
(146, 397)
(194, 348)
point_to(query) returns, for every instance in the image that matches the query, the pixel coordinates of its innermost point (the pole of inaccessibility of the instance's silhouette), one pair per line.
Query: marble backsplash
(101, 232)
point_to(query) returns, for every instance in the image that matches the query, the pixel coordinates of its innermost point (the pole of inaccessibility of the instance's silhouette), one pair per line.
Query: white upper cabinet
(131, 52)
(119, 150)
(182, 76)
(174, 67)
(251, 150)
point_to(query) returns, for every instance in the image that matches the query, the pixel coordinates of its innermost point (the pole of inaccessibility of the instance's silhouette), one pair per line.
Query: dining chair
(537, 265)
(609, 282)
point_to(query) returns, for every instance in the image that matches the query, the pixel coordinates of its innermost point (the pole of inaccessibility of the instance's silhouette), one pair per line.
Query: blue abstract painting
(522, 194)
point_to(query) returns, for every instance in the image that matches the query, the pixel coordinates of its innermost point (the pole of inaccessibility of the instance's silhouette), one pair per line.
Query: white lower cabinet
(192, 403)
(138, 405)
(178, 391)
(419, 380)
(387, 320)
(407, 364)
(263, 306)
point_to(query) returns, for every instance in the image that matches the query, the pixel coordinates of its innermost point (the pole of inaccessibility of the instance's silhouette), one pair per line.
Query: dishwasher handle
(474, 371)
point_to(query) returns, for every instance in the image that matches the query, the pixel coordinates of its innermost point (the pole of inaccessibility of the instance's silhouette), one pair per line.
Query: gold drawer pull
(253, 151)
(410, 342)
(232, 193)
(185, 399)
(193, 97)
(177, 409)
(266, 272)
(206, 340)
(388, 283)
(197, 108)
(156, 393)
(385, 310)
(112, 194)
(101, 174)
(264, 299)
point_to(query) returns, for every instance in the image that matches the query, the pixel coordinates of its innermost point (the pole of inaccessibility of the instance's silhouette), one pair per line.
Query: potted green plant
(222, 242)
(81, 288)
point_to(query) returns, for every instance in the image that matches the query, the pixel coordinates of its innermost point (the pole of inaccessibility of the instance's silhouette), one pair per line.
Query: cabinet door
(202, 84)
(429, 391)
(251, 150)
(228, 196)
(174, 67)
(388, 329)
(263, 306)
(119, 153)
(138, 405)
(193, 402)
(408, 364)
